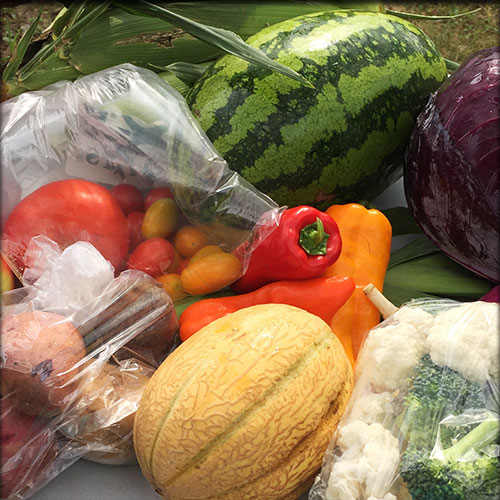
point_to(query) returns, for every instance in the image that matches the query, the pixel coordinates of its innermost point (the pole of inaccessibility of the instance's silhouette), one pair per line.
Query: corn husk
(90, 36)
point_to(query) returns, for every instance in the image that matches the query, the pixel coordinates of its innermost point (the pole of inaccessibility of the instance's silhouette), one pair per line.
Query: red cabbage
(492, 296)
(452, 165)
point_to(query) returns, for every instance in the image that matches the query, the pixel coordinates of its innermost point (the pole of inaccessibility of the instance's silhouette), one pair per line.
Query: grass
(458, 38)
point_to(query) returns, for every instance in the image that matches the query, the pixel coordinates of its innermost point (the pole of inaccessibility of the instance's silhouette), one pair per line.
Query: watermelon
(343, 138)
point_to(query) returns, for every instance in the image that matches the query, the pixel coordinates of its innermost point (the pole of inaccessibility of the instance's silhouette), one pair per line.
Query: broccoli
(436, 392)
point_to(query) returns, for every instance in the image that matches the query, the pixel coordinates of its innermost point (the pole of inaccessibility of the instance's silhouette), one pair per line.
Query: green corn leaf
(419, 247)
(437, 274)
(53, 69)
(402, 221)
(183, 304)
(399, 295)
(451, 65)
(188, 72)
(62, 42)
(20, 49)
(220, 38)
(171, 78)
(67, 17)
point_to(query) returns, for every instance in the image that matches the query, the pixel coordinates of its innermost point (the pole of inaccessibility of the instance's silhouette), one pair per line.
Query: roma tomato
(157, 194)
(134, 221)
(153, 256)
(68, 211)
(160, 219)
(128, 197)
(211, 273)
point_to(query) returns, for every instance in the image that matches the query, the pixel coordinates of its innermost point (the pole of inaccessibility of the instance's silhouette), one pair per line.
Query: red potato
(28, 449)
(39, 353)
(128, 197)
(66, 212)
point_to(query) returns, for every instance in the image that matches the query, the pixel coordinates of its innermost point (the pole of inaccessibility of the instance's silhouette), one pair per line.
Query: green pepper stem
(313, 238)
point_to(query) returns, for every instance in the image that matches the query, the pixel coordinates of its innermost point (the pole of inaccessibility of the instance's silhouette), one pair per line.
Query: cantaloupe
(245, 408)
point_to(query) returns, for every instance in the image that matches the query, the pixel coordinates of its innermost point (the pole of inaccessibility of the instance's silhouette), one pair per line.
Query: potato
(40, 352)
(108, 405)
(28, 449)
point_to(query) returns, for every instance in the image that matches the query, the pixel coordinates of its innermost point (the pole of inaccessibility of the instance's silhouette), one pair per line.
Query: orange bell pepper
(366, 246)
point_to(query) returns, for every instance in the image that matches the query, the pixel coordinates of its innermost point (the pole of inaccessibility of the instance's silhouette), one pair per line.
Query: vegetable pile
(212, 310)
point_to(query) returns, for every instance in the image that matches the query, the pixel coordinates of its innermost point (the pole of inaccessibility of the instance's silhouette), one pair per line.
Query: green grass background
(457, 38)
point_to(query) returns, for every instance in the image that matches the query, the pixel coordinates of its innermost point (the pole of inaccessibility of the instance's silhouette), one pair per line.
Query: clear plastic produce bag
(423, 420)
(122, 125)
(78, 347)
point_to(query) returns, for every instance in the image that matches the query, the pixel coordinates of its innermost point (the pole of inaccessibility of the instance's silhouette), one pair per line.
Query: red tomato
(128, 197)
(134, 221)
(152, 256)
(156, 194)
(66, 212)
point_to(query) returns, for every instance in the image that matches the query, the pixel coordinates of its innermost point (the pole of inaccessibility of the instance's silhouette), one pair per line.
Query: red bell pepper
(320, 296)
(302, 246)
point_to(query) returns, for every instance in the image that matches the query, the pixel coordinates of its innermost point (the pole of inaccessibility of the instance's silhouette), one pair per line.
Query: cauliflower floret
(393, 349)
(367, 465)
(419, 318)
(466, 339)
(371, 407)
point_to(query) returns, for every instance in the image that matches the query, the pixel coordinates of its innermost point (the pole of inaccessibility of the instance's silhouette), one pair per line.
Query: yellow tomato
(160, 219)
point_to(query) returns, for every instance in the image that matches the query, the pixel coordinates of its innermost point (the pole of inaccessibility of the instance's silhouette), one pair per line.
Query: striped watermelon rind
(342, 140)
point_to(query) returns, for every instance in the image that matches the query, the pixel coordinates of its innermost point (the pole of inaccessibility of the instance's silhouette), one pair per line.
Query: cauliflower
(372, 407)
(366, 449)
(368, 462)
(403, 339)
(466, 339)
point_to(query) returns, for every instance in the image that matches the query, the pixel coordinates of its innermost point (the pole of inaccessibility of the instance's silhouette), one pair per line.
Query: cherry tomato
(160, 219)
(157, 194)
(68, 211)
(174, 267)
(173, 286)
(134, 221)
(128, 197)
(189, 239)
(153, 256)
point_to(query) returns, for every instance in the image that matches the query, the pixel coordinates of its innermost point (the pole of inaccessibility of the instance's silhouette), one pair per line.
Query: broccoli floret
(448, 477)
(434, 393)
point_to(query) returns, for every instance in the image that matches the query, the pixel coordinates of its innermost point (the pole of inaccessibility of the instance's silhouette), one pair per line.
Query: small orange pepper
(366, 247)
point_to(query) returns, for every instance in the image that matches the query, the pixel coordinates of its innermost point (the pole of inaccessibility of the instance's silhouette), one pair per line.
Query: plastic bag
(121, 125)
(423, 419)
(73, 367)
